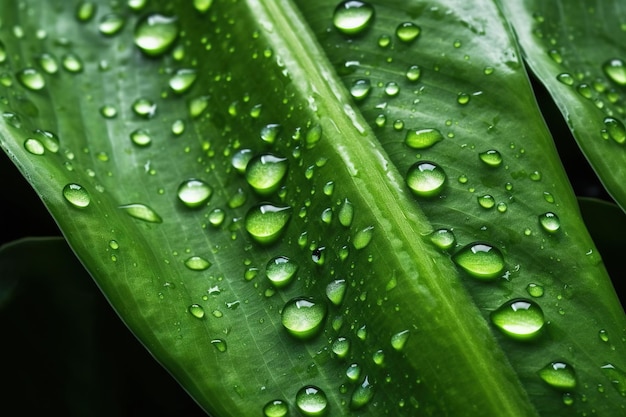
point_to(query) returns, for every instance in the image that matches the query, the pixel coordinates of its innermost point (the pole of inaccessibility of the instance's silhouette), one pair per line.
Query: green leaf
(191, 152)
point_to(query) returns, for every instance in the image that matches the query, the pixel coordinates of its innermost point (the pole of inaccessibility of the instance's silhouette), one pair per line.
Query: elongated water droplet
(480, 260)
(426, 179)
(408, 32)
(111, 24)
(182, 80)
(336, 291)
(491, 158)
(615, 129)
(197, 263)
(281, 270)
(603, 335)
(550, 222)
(341, 347)
(615, 69)
(85, 11)
(155, 33)
(566, 79)
(48, 63)
(275, 408)
(265, 222)
(49, 140)
(362, 394)
(353, 372)
(423, 138)
(303, 317)
(443, 238)
(194, 192)
(398, 340)
(559, 375)
(346, 213)
(72, 63)
(520, 319)
(196, 310)
(353, 17)
(311, 401)
(31, 79)
(141, 212)
(220, 345)
(76, 195)
(265, 173)
(363, 237)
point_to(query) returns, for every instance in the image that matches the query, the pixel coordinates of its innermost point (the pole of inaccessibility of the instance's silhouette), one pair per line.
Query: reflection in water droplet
(281, 270)
(423, 138)
(362, 394)
(76, 195)
(141, 137)
(144, 107)
(603, 335)
(408, 31)
(270, 132)
(413, 73)
(220, 345)
(155, 33)
(615, 129)
(360, 89)
(111, 24)
(336, 291)
(346, 213)
(72, 63)
(196, 310)
(194, 192)
(565, 78)
(275, 408)
(31, 79)
(303, 317)
(426, 179)
(265, 222)
(491, 158)
(520, 319)
(486, 201)
(615, 70)
(34, 146)
(443, 238)
(48, 63)
(535, 290)
(550, 222)
(363, 237)
(480, 260)
(399, 339)
(265, 172)
(141, 212)
(352, 17)
(559, 375)
(182, 80)
(463, 98)
(311, 401)
(341, 347)
(197, 263)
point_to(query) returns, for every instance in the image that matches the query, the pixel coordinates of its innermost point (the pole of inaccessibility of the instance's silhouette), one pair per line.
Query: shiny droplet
(196, 310)
(486, 201)
(85, 11)
(520, 319)
(111, 24)
(265, 173)
(566, 79)
(480, 260)
(76, 195)
(182, 80)
(31, 79)
(615, 70)
(108, 112)
(398, 340)
(353, 17)
(265, 222)
(550, 222)
(346, 213)
(491, 158)
(197, 263)
(49, 140)
(275, 408)
(336, 291)
(141, 212)
(422, 138)
(559, 375)
(413, 73)
(463, 98)
(270, 132)
(155, 33)
(363, 237)
(34, 146)
(353, 372)
(615, 129)
(219, 344)
(443, 238)
(240, 160)
(48, 63)
(303, 317)
(141, 137)
(72, 63)
(426, 179)
(311, 401)
(603, 335)
(408, 31)
(194, 192)
(362, 395)
(535, 290)
(281, 270)
(341, 347)
(360, 89)
(144, 107)
(392, 89)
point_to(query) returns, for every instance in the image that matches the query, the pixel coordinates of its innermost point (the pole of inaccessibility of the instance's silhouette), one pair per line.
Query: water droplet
(31, 79)
(281, 270)
(34, 146)
(49, 140)
(585, 90)
(108, 112)
(362, 395)
(144, 107)
(603, 335)
(559, 375)
(311, 401)
(486, 201)
(194, 192)
(265, 222)
(141, 137)
(463, 98)
(423, 138)
(399, 339)
(270, 132)
(274, 408)
(346, 213)
(341, 347)
(216, 217)
(413, 73)
(535, 176)
(550, 222)
(303, 317)
(336, 291)
(426, 179)
(313, 136)
(72, 63)
(178, 127)
(491, 158)
(566, 79)
(615, 69)
(555, 55)
(240, 160)
(443, 238)
(379, 357)
(265, 172)
(363, 237)
(519, 318)
(535, 290)
(615, 129)
(480, 260)
(182, 80)
(384, 40)
(197, 105)
(617, 377)
(3, 53)
(360, 89)
(48, 63)
(220, 345)
(353, 372)
(85, 11)
(111, 24)
(353, 17)
(197, 263)
(141, 212)
(196, 310)
(392, 89)
(76, 195)
(155, 33)
(408, 31)
(137, 5)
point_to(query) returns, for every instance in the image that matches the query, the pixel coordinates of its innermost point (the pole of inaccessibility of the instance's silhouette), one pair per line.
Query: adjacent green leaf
(195, 155)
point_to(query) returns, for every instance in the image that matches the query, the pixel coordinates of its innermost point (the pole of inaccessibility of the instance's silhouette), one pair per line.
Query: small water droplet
(353, 17)
(72, 63)
(111, 24)
(379, 357)
(520, 319)
(360, 89)
(585, 90)
(486, 201)
(491, 158)
(555, 55)
(265, 222)
(443, 238)
(550, 222)
(31, 79)
(341, 347)
(362, 394)
(136, 5)
(615, 129)
(392, 89)
(141, 212)
(178, 127)
(85, 10)
(463, 98)
(155, 33)
(220, 345)
(535, 290)
(197, 105)
(217, 216)
(141, 137)
(398, 340)
(408, 32)
(426, 179)
(76, 195)
(281, 270)
(603, 335)
(196, 310)
(144, 107)
(265, 172)
(480, 260)
(363, 237)
(197, 263)
(270, 132)
(413, 73)
(194, 192)
(353, 372)
(34, 146)
(48, 63)
(240, 160)
(346, 213)
(303, 317)
(615, 70)
(559, 375)
(274, 408)
(182, 80)
(313, 136)
(422, 138)
(336, 291)
(108, 112)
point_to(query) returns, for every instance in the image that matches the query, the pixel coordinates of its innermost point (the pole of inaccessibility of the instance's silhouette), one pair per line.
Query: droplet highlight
(194, 192)
(311, 401)
(155, 33)
(559, 375)
(353, 17)
(520, 319)
(303, 317)
(265, 222)
(422, 138)
(76, 195)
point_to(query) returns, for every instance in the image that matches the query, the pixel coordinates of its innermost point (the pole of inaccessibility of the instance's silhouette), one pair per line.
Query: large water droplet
(341, 347)
(155, 33)
(408, 31)
(85, 11)
(276, 408)
(34, 146)
(559, 375)
(182, 80)
(352, 17)
(311, 401)
(520, 318)
(426, 179)
(265, 172)
(141, 212)
(550, 222)
(49, 140)
(336, 291)
(281, 270)
(48, 63)
(303, 317)
(76, 195)
(615, 129)
(194, 192)
(615, 69)
(480, 260)
(265, 222)
(196, 310)
(72, 63)
(423, 138)
(413, 73)
(270, 132)
(31, 79)
(362, 394)
(491, 158)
